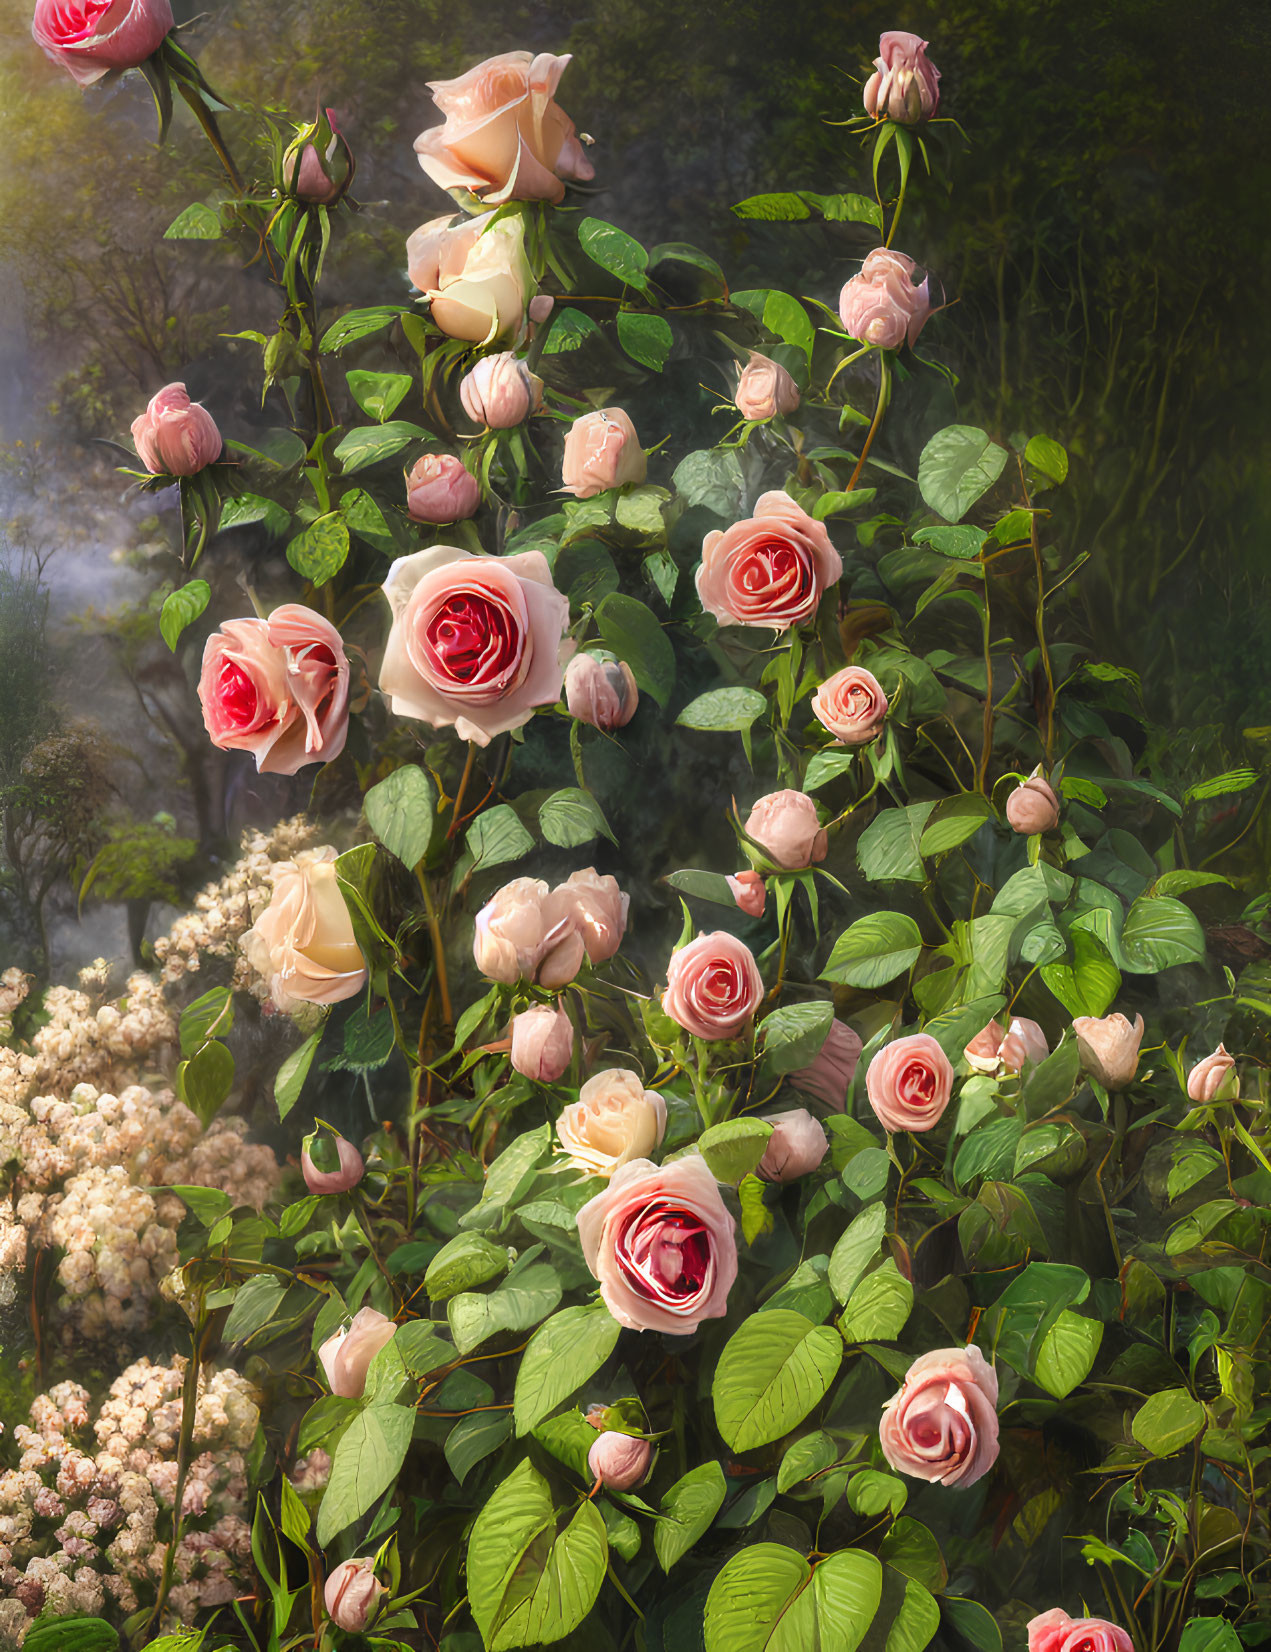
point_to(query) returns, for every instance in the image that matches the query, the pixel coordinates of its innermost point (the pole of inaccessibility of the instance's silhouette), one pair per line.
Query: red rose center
(238, 697)
(77, 19)
(774, 562)
(665, 1254)
(473, 639)
(918, 1084)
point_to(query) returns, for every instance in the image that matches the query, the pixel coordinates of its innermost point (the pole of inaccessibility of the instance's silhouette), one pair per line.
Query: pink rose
(1211, 1079)
(475, 275)
(1055, 1631)
(319, 165)
(505, 137)
(1109, 1048)
(476, 641)
(765, 389)
(852, 705)
(596, 907)
(749, 892)
(830, 1076)
(343, 1179)
(500, 391)
(883, 305)
(787, 828)
(601, 692)
(542, 1043)
(89, 38)
(303, 943)
(521, 934)
(614, 1120)
(942, 1425)
(909, 1083)
(769, 570)
(278, 688)
(346, 1356)
(1032, 806)
(662, 1244)
(795, 1148)
(713, 986)
(602, 451)
(175, 436)
(619, 1461)
(441, 488)
(904, 87)
(352, 1595)
(996, 1051)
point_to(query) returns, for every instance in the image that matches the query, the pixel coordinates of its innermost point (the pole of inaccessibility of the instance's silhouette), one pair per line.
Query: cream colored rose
(614, 1120)
(303, 943)
(475, 275)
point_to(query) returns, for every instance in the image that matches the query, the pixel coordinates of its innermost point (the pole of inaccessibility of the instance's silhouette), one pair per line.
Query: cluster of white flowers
(83, 1530)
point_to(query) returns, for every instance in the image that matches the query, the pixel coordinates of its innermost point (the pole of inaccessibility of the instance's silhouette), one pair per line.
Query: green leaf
(357, 324)
(570, 330)
(958, 465)
(874, 950)
(888, 847)
(496, 836)
(400, 811)
(756, 1218)
(964, 544)
(871, 1493)
(1184, 880)
(805, 1458)
(378, 394)
(734, 1148)
(767, 1598)
(879, 1308)
(856, 1249)
(367, 520)
(212, 1012)
(639, 511)
(775, 1368)
(561, 1355)
(1089, 984)
(367, 1460)
(989, 1150)
(974, 1622)
(826, 766)
(634, 633)
(181, 608)
(1167, 1421)
(474, 1437)
(247, 508)
(1160, 932)
(51, 1633)
(793, 1035)
(321, 550)
(856, 209)
(256, 1302)
(835, 504)
(1067, 1353)
(614, 250)
(687, 1510)
(291, 1076)
(713, 479)
(369, 444)
(786, 317)
(421, 1347)
(724, 710)
(196, 223)
(526, 1296)
(646, 338)
(205, 1204)
(1235, 780)
(911, 1549)
(1029, 1306)
(916, 1622)
(1199, 1635)
(467, 1260)
(703, 886)
(1046, 455)
(954, 822)
(785, 206)
(571, 817)
(205, 1080)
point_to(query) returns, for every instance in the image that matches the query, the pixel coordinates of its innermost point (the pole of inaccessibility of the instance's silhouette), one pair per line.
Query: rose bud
(904, 87)
(619, 1461)
(830, 1075)
(601, 692)
(882, 305)
(749, 892)
(796, 1146)
(614, 1120)
(89, 38)
(346, 1356)
(769, 570)
(995, 1051)
(1109, 1048)
(520, 936)
(475, 275)
(787, 828)
(340, 1167)
(175, 436)
(602, 451)
(352, 1595)
(765, 389)
(713, 986)
(1033, 807)
(596, 907)
(1055, 1631)
(1212, 1079)
(500, 391)
(852, 705)
(942, 1425)
(318, 167)
(303, 943)
(441, 488)
(542, 1043)
(909, 1083)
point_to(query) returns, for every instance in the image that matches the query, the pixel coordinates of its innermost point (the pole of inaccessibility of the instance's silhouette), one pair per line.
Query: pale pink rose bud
(904, 87)
(830, 1075)
(602, 451)
(852, 705)
(343, 1178)
(520, 935)
(942, 1425)
(542, 1043)
(441, 488)
(89, 38)
(352, 1595)
(749, 892)
(909, 1083)
(601, 692)
(765, 389)
(995, 1050)
(796, 1146)
(500, 391)
(883, 305)
(771, 569)
(713, 986)
(619, 1461)
(787, 828)
(1211, 1079)
(1055, 1631)
(597, 909)
(175, 436)
(1109, 1047)
(346, 1357)
(1033, 807)
(318, 167)
(614, 1120)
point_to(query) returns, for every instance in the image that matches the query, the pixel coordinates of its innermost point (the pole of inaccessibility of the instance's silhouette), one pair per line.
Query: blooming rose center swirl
(664, 1253)
(720, 989)
(71, 21)
(939, 1428)
(774, 567)
(472, 640)
(917, 1084)
(237, 696)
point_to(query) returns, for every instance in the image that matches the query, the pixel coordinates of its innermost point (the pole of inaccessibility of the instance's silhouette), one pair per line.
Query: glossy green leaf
(874, 950)
(776, 1367)
(957, 466)
(400, 811)
(687, 1511)
(181, 608)
(371, 1451)
(561, 1355)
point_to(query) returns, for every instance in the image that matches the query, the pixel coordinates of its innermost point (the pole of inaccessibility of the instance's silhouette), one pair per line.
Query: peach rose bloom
(1208, 1079)
(1055, 1631)
(787, 828)
(278, 688)
(601, 692)
(542, 1043)
(749, 892)
(476, 641)
(89, 38)
(175, 436)
(909, 1083)
(505, 137)
(475, 275)
(883, 305)
(769, 570)
(662, 1244)
(995, 1050)
(1109, 1046)
(1032, 807)
(830, 1075)
(303, 943)
(614, 1120)
(713, 986)
(765, 389)
(352, 1594)
(602, 451)
(500, 391)
(346, 1356)
(343, 1179)
(441, 488)
(852, 705)
(942, 1425)
(596, 907)
(904, 87)
(619, 1461)
(795, 1148)
(521, 935)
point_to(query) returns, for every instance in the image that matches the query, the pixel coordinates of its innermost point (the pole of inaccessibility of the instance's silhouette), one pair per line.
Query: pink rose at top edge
(1055, 1631)
(351, 1595)
(748, 891)
(89, 38)
(542, 1043)
(619, 1461)
(882, 305)
(765, 389)
(602, 451)
(788, 829)
(343, 1179)
(600, 692)
(713, 986)
(942, 1425)
(795, 1148)
(771, 569)
(346, 1356)
(905, 86)
(1212, 1079)
(830, 1074)
(441, 488)
(909, 1083)
(175, 436)
(851, 705)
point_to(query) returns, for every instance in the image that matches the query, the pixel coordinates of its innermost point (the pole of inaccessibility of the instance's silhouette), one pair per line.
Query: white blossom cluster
(85, 1515)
